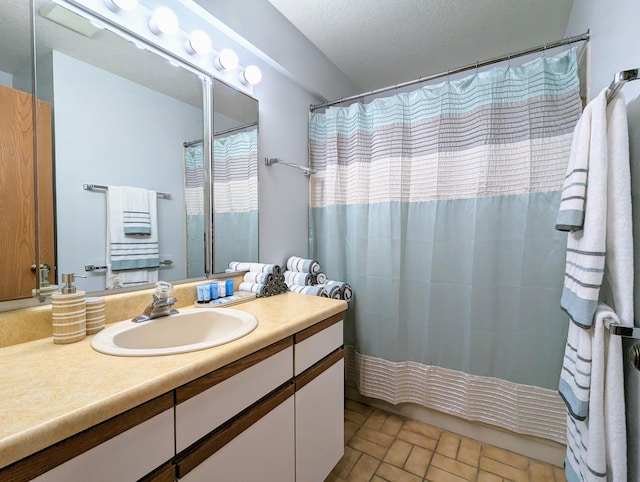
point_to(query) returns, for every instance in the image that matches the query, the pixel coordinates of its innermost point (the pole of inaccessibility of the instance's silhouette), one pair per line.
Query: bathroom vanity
(268, 406)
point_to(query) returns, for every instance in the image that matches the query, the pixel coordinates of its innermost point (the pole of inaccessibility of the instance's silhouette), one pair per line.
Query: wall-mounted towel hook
(269, 161)
(620, 330)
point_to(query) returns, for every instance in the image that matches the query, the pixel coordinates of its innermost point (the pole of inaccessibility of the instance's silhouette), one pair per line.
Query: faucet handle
(163, 289)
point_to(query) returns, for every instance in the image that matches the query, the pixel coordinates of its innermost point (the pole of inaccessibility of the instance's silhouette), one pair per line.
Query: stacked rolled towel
(299, 278)
(303, 272)
(254, 267)
(302, 265)
(261, 279)
(316, 290)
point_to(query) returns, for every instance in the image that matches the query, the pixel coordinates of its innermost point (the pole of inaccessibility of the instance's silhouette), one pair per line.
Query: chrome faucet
(161, 305)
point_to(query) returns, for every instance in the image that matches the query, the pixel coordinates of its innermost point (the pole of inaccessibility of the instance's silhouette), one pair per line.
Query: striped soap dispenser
(68, 312)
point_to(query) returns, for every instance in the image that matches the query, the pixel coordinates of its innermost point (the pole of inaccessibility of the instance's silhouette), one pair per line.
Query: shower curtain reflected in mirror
(438, 207)
(235, 201)
(235, 198)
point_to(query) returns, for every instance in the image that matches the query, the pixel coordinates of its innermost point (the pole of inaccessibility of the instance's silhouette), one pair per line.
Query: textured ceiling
(379, 43)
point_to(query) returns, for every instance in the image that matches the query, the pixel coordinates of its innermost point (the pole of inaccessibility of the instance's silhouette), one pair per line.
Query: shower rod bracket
(270, 161)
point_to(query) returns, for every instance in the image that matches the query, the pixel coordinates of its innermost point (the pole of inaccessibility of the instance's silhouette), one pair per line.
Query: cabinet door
(128, 456)
(320, 419)
(230, 390)
(262, 452)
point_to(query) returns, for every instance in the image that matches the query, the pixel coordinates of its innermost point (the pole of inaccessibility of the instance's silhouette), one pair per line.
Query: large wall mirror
(124, 119)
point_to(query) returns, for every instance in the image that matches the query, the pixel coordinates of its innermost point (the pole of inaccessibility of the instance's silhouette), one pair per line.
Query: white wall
(6, 79)
(138, 147)
(614, 47)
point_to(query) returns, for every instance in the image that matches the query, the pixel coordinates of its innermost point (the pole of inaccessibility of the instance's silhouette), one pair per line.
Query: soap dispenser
(68, 312)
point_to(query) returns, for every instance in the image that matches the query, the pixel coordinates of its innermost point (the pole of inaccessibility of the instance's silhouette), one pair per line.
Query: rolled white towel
(259, 289)
(321, 278)
(346, 292)
(255, 267)
(298, 278)
(302, 265)
(316, 290)
(258, 277)
(333, 290)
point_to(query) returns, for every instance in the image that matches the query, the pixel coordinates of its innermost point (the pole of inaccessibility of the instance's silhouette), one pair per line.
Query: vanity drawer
(206, 403)
(316, 342)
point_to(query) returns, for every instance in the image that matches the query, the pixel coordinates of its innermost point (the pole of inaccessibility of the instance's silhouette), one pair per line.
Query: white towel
(582, 212)
(596, 445)
(295, 263)
(136, 215)
(137, 254)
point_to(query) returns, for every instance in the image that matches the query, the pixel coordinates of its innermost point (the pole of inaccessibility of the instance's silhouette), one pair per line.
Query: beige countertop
(50, 392)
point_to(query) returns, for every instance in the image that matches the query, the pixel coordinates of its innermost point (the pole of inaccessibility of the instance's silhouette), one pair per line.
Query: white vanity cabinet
(125, 447)
(275, 415)
(319, 399)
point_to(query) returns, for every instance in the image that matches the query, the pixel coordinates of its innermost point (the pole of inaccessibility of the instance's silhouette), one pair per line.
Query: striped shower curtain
(438, 207)
(235, 198)
(194, 203)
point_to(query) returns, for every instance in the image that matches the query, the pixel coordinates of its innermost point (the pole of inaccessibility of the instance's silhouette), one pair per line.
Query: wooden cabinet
(20, 217)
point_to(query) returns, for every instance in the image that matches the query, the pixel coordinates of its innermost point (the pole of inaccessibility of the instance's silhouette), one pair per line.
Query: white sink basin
(191, 329)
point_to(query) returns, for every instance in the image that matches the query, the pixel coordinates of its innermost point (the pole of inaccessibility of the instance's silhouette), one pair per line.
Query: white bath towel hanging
(596, 209)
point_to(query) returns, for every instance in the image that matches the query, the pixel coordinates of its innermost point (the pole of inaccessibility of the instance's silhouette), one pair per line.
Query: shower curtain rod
(540, 48)
(226, 131)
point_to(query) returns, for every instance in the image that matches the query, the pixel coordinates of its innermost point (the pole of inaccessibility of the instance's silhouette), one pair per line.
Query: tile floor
(380, 446)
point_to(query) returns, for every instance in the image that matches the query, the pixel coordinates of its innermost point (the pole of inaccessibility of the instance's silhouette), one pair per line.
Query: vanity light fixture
(163, 21)
(117, 5)
(198, 43)
(227, 59)
(251, 75)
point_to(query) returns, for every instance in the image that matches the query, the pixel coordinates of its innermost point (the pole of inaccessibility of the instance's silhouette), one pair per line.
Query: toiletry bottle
(68, 312)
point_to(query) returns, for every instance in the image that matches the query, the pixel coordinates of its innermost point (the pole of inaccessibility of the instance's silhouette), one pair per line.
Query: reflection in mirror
(235, 181)
(19, 210)
(120, 116)
(235, 177)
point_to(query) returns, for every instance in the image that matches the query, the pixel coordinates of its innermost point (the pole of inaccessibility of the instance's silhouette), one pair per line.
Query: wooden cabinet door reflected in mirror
(17, 189)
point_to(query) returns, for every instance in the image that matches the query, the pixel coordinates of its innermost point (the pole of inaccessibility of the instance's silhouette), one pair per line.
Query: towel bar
(101, 188)
(91, 267)
(625, 331)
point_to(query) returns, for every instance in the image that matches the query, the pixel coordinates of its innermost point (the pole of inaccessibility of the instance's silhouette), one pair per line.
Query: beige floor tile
(559, 473)
(506, 457)
(503, 470)
(350, 428)
(417, 439)
(364, 469)
(392, 425)
(418, 461)
(398, 453)
(375, 420)
(355, 417)
(469, 452)
(334, 478)
(346, 463)
(358, 407)
(391, 472)
(375, 478)
(368, 447)
(488, 477)
(455, 467)
(434, 474)
(448, 445)
(422, 428)
(539, 472)
(374, 436)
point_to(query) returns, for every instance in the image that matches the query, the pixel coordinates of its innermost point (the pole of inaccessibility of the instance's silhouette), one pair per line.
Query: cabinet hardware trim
(318, 368)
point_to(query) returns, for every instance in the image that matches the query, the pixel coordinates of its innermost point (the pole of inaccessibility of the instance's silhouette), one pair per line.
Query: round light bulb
(163, 21)
(198, 43)
(251, 75)
(227, 59)
(117, 5)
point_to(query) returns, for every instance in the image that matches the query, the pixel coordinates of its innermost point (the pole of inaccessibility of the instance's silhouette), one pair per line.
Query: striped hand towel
(316, 290)
(136, 214)
(298, 278)
(255, 267)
